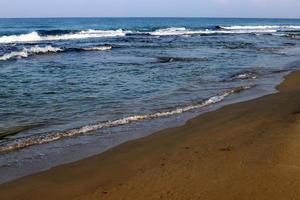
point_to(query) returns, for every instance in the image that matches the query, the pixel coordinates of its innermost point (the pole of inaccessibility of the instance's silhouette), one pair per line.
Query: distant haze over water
(151, 8)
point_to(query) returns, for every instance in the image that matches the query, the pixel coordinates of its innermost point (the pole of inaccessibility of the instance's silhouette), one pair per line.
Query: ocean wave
(50, 137)
(98, 48)
(36, 50)
(169, 31)
(30, 37)
(36, 37)
(183, 31)
(173, 31)
(260, 27)
(177, 31)
(52, 35)
(244, 75)
(25, 52)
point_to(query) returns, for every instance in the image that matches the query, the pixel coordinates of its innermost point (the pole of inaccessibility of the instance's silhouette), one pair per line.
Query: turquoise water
(61, 79)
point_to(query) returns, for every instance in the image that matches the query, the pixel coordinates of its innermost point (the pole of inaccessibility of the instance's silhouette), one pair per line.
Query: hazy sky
(150, 8)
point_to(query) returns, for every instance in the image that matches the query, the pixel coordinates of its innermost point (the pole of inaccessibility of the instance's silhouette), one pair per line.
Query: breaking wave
(36, 50)
(223, 30)
(50, 137)
(244, 75)
(183, 31)
(52, 35)
(101, 48)
(25, 52)
(169, 31)
(36, 37)
(260, 27)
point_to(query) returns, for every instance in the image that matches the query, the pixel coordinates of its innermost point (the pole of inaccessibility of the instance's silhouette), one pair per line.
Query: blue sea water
(87, 84)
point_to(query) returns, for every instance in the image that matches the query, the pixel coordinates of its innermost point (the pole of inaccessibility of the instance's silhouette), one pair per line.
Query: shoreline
(39, 158)
(141, 130)
(237, 150)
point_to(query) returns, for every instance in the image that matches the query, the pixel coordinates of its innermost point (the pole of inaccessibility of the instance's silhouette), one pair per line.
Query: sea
(71, 88)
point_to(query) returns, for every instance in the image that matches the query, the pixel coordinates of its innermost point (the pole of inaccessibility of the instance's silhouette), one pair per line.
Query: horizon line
(89, 17)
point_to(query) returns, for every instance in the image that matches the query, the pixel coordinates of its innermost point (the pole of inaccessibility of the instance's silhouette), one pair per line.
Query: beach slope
(249, 150)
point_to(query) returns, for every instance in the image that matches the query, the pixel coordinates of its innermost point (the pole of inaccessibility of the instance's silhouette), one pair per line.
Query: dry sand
(249, 150)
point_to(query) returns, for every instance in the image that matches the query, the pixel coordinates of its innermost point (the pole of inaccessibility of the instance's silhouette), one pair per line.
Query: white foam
(184, 31)
(35, 37)
(275, 27)
(246, 75)
(180, 31)
(169, 31)
(225, 30)
(21, 54)
(246, 31)
(46, 138)
(25, 52)
(88, 34)
(100, 48)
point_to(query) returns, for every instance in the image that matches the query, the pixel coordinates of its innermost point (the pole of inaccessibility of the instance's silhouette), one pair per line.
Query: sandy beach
(248, 150)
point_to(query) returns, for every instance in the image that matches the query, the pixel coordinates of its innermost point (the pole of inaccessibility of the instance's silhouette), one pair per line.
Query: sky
(150, 8)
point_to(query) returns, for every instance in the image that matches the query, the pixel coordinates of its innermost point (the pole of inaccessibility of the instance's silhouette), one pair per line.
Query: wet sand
(249, 150)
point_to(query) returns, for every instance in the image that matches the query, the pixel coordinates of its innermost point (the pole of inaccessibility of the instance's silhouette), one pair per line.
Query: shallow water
(80, 86)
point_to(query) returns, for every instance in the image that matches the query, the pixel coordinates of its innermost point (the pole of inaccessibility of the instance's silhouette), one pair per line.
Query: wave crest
(184, 31)
(244, 75)
(173, 31)
(100, 48)
(50, 35)
(30, 37)
(25, 52)
(260, 27)
(36, 37)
